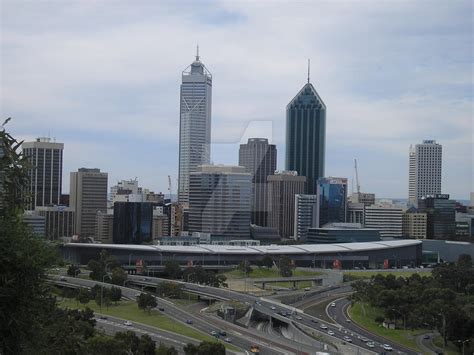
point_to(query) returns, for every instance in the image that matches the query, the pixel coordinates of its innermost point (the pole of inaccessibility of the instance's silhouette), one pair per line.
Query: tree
(115, 294)
(147, 346)
(267, 261)
(97, 270)
(104, 345)
(103, 298)
(130, 340)
(73, 270)
(284, 264)
(172, 269)
(244, 266)
(118, 276)
(146, 302)
(84, 296)
(204, 348)
(165, 350)
(169, 289)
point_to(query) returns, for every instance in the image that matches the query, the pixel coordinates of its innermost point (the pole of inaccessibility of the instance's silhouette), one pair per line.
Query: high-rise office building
(332, 197)
(219, 201)
(306, 136)
(104, 226)
(194, 125)
(259, 159)
(88, 194)
(133, 222)
(387, 219)
(282, 188)
(305, 215)
(59, 221)
(425, 161)
(45, 176)
(441, 216)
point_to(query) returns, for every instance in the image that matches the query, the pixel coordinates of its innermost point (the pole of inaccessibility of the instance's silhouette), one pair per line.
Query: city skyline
(97, 107)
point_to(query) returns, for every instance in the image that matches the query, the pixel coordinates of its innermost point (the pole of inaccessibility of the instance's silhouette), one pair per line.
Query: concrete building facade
(425, 163)
(259, 159)
(414, 224)
(88, 194)
(387, 219)
(45, 178)
(306, 207)
(282, 188)
(104, 226)
(60, 221)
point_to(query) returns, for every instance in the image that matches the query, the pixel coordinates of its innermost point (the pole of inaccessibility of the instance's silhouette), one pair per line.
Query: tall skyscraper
(88, 194)
(259, 159)
(306, 135)
(282, 188)
(194, 125)
(425, 161)
(45, 185)
(219, 201)
(332, 200)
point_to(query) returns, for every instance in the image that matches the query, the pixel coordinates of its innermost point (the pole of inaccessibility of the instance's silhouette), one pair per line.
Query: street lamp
(102, 285)
(463, 342)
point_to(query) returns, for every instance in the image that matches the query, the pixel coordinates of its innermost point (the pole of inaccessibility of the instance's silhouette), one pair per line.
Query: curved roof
(263, 249)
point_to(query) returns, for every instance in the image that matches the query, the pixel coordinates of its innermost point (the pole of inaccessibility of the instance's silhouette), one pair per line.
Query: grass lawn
(365, 315)
(450, 349)
(368, 274)
(129, 310)
(263, 272)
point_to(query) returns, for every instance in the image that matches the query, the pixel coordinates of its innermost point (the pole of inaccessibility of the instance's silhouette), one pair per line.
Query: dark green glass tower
(306, 136)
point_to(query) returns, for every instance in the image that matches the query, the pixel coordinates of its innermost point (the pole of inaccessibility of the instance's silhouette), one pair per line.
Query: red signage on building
(336, 264)
(386, 264)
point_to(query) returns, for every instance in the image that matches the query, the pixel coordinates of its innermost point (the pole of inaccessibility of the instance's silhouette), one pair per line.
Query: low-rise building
(385, 218)
(414, 224)
(342, 233)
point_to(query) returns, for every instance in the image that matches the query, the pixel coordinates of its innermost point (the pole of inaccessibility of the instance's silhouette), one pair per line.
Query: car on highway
(387, 347)
(333, 304)
(364, 339)
(189, 321)
(298, 317)
(314, 321)
(348, 320)
(330, 332)
(348, 339)
(272, 308)
(322, 326)
(213, 333)
(307, 289)
(127, 323)
(370, 344)
(426, 336)
(62, 278)
(222, 332)
(228, 340)
(161, 309)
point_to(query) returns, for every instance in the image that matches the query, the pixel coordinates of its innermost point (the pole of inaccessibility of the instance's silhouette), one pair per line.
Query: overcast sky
(103, 78)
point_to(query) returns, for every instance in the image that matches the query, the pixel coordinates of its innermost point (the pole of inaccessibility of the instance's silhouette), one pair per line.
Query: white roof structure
(262, 250)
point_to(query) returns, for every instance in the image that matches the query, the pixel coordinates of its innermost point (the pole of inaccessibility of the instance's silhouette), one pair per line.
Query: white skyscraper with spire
(195, 124)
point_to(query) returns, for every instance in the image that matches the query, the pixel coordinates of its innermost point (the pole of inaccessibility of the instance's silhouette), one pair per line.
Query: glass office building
(441, 216)
(332, 200)
(194, 124)
(132, 222)
(306, 136)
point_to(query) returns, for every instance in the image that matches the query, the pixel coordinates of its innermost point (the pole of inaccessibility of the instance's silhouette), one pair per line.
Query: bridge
(315, 280)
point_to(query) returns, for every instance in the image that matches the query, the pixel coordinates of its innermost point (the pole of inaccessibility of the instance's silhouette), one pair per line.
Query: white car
(322, 326)
(370, 344)
(348, 339)
(299, 318)
(127, 323)
(333, 304)
(387, 347)
(330, 332)
(272, 308)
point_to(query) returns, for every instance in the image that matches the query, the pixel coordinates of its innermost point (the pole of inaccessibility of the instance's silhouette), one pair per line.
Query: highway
(241, 338)
(340, 316)
(282, 312)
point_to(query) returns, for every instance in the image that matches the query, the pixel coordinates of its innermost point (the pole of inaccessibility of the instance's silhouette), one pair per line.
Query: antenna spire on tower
(308, 68)
(197, 52)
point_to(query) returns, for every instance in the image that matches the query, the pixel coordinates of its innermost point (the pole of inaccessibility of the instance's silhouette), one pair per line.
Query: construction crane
(357, 176)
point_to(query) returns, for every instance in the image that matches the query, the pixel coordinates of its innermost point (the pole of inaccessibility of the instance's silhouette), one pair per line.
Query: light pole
(102, 285)
(400, 313)
(463, 342)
